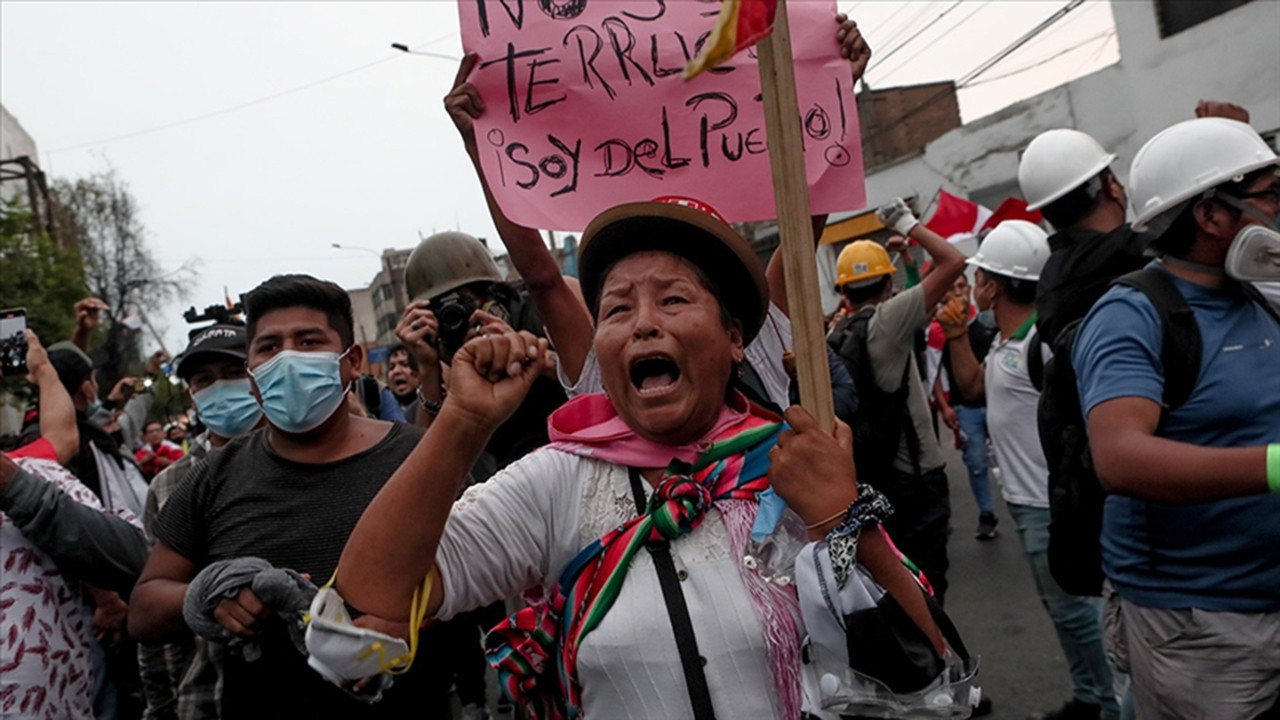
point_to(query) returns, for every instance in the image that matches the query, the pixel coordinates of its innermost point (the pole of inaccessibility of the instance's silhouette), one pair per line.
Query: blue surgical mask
(94, 408)
(300, 390)
(228, 407)
(987, 318)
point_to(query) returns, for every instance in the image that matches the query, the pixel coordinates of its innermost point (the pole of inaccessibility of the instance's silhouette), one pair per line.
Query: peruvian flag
(1012, 209)
(740, 24)
(955, 216)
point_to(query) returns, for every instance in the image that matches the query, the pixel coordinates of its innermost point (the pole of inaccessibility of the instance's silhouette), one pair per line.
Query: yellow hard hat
(861, 262)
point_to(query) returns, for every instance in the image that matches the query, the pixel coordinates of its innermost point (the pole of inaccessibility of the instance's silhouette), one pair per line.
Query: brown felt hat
(696, 235)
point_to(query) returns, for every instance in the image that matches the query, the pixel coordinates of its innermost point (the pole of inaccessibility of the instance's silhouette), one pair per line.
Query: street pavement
(993, 602)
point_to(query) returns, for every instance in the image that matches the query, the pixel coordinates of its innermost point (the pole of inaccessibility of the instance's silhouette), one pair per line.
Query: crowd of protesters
(319, 541)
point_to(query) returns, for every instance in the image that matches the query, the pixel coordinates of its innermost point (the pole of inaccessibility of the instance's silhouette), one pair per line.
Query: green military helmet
(447, 261)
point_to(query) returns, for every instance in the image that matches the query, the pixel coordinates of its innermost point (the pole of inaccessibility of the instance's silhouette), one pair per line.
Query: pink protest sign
(585, 108)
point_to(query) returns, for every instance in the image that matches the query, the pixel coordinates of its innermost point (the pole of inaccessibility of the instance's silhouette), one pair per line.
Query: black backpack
(1075, 495)
(881, 417)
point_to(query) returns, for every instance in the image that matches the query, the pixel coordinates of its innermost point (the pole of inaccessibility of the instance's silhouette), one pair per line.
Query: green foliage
(39, 275)
(102, 216)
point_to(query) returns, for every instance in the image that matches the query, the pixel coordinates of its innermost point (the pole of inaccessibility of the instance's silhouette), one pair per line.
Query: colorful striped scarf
(535, 652)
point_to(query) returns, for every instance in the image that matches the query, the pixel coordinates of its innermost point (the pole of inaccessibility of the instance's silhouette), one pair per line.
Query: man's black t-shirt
(1080, 268)
(248, 501)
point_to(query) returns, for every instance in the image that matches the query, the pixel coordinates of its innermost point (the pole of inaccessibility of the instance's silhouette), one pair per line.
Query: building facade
(1173, 53)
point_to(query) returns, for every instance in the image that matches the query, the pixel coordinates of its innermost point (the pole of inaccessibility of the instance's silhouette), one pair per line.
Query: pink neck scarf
(589, 426)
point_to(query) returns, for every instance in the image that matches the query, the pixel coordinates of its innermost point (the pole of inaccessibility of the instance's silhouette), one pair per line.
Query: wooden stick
(791, 196)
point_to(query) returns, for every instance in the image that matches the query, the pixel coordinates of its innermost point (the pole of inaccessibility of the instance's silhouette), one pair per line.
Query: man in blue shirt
(1191, 529)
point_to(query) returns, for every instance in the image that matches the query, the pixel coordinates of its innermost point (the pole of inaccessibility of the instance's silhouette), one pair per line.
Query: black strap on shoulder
(854, 335)
(908, 421)
(1181, 349)
(1035, 361)
(681, 624)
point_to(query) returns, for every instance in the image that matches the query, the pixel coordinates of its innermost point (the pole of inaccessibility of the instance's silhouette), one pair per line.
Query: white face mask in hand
(341, 652)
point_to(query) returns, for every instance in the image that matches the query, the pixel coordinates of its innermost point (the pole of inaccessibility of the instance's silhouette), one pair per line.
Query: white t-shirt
(1011, 422)
(764, 354)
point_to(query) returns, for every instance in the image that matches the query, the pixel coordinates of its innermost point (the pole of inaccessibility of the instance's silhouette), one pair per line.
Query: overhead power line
(240, 106)
(906, 27)
(894, 14)
(927, 48)
(973, 74)
(1044, 60)
(914, 35)
(977, 72)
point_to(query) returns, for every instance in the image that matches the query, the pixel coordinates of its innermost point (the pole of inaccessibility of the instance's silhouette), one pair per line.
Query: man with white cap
(1066, 175)
(1008, 266)
(1190, 540)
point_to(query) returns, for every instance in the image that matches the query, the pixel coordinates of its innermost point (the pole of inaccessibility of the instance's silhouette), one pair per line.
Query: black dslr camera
(453, 314)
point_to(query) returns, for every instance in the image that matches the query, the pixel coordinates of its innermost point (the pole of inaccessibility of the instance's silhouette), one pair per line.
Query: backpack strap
(1181, 346)
(853, 339)
(1035, 361)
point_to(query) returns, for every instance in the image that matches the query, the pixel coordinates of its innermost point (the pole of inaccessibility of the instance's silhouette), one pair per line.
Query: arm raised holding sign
(568, 322)
(566, 317)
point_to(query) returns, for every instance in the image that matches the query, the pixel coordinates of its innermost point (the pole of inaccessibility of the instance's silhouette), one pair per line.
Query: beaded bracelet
(432, 408)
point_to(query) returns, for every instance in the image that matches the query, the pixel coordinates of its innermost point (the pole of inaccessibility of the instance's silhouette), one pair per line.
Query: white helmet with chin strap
(1187, 159)
(1016, 249)
(1186, 163)
(1057, 162)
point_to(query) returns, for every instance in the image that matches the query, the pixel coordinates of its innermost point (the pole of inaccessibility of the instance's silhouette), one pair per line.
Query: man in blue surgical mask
(288, 494)
(213, 368)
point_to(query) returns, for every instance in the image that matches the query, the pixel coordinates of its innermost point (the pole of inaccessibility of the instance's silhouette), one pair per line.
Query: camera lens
(452, 317)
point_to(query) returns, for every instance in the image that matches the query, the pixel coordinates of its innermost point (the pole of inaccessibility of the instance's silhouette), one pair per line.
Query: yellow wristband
(1273, 467)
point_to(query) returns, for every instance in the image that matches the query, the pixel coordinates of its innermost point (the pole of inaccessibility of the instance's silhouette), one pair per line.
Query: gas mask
(1254, 255)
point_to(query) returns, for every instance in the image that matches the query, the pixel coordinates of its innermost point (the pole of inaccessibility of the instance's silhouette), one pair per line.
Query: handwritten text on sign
(585, 108)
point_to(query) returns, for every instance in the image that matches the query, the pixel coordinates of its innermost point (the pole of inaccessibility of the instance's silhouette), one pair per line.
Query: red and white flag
(956, 216)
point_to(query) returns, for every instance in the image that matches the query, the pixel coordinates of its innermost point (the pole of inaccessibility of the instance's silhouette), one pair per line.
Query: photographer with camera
(459, 293)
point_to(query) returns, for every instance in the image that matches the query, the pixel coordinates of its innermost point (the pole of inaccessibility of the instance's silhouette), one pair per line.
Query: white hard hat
(1016, 249)
(1057, 162)
(1186, 159)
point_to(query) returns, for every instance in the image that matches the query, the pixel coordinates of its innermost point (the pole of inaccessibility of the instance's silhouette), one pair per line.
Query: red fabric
(41, 449)
(937, 338)
(166, 450)
(1012, 209)
(755, 20)
(955, 215)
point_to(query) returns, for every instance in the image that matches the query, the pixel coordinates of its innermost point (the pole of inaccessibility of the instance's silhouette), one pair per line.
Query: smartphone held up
(13, 342)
